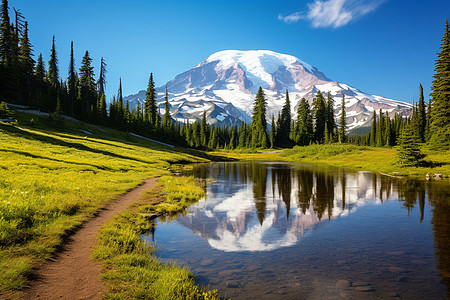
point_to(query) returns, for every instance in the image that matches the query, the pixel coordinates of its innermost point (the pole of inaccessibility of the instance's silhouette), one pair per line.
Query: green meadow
(351, 156)
(56, 174)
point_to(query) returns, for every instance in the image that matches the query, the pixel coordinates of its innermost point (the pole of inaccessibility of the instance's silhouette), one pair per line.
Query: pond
(293, 231)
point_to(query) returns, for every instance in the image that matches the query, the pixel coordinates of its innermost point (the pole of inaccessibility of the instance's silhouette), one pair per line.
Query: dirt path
(72, 274)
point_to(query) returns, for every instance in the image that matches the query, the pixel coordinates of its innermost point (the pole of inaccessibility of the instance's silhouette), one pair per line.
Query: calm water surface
(291, 231)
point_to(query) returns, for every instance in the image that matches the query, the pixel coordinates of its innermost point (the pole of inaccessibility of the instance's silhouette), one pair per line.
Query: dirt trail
(72, 274)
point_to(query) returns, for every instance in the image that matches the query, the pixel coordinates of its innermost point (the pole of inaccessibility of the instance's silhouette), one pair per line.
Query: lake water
(292, 231)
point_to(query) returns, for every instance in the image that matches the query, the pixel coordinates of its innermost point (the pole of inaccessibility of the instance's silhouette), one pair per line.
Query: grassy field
(352, 157)
(54, 176)
(129, 260)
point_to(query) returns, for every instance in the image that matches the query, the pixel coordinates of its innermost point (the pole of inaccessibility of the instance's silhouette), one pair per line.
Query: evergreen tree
(72, 85)
(272, 133)
(167, 122)
(373, 130)
(408, 152)
(440, 96)
(320, 113)
(330, 120)
(87, 92)
(53, 72)
(101, 109)
(26, 63)
(120, 114)
(258, 126)
(284, 124)
(243, 135)
(204, 131)
(380, 130)
(422, 115)
(342, 122)
(39, 83)
(150, 103)
(304, 125)
(6, 39)
(101, 82)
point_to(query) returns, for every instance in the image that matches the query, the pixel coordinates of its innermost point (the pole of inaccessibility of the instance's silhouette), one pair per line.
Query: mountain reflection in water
(263, 207)
(312, 226)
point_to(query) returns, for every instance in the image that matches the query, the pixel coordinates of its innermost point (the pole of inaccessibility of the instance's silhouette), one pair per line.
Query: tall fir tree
(284, 125)
(101, 82)
(150, 103)
(258, 126)
(87, 92)
(73, 106)
(53, 72)
(204, 131)
(422, 115)
(380, 130)
(330, 120)
(26, 63)
(243, 135)
(166, 122)
(6, 39)
(320, 113)
(272, 132)
(373, 130)
(303, 130)
(408, 151)
(440, 96)
(342, 122)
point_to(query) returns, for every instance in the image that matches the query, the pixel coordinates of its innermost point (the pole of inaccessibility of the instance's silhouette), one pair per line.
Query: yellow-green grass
(128, 259)
(54, 176)
(353, 157)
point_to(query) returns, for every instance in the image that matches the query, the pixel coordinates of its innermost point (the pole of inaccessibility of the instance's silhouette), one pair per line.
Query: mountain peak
(224, 86)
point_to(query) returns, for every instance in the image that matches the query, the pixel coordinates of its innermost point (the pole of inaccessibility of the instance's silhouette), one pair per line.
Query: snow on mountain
(224, 85)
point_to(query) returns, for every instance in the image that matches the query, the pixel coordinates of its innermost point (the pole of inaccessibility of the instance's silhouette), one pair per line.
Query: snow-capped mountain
(224, 85)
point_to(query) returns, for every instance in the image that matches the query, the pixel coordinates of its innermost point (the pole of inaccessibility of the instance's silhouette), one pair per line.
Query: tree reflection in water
(266, 206)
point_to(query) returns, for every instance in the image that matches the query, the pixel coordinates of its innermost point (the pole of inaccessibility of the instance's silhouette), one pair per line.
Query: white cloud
(333, 13)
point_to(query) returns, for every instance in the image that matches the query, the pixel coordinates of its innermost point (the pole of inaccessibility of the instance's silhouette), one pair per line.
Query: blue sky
(382, 47)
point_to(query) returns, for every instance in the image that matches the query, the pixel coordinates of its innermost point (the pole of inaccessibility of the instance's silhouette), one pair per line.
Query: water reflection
(262, 207)
(305, 218)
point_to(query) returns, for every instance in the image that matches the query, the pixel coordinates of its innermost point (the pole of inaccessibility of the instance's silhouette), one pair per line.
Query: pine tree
(319, 110)
(167, 122)
(204, 131)
(422, 115)
(373, 130)
(120, 114)
(284, 124)
(26, 63)
(6, 39)
(330, 120)
(440, 96)
(101, 82)
(380, 130)
(342, 122)
(150, 103)
(243, 135)
(258, 126)
(87, 93)
(272, 133)
(53, 72)
(101, 109)
(39, 83)
(72, 85)
(304, 125)
(408, 152)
